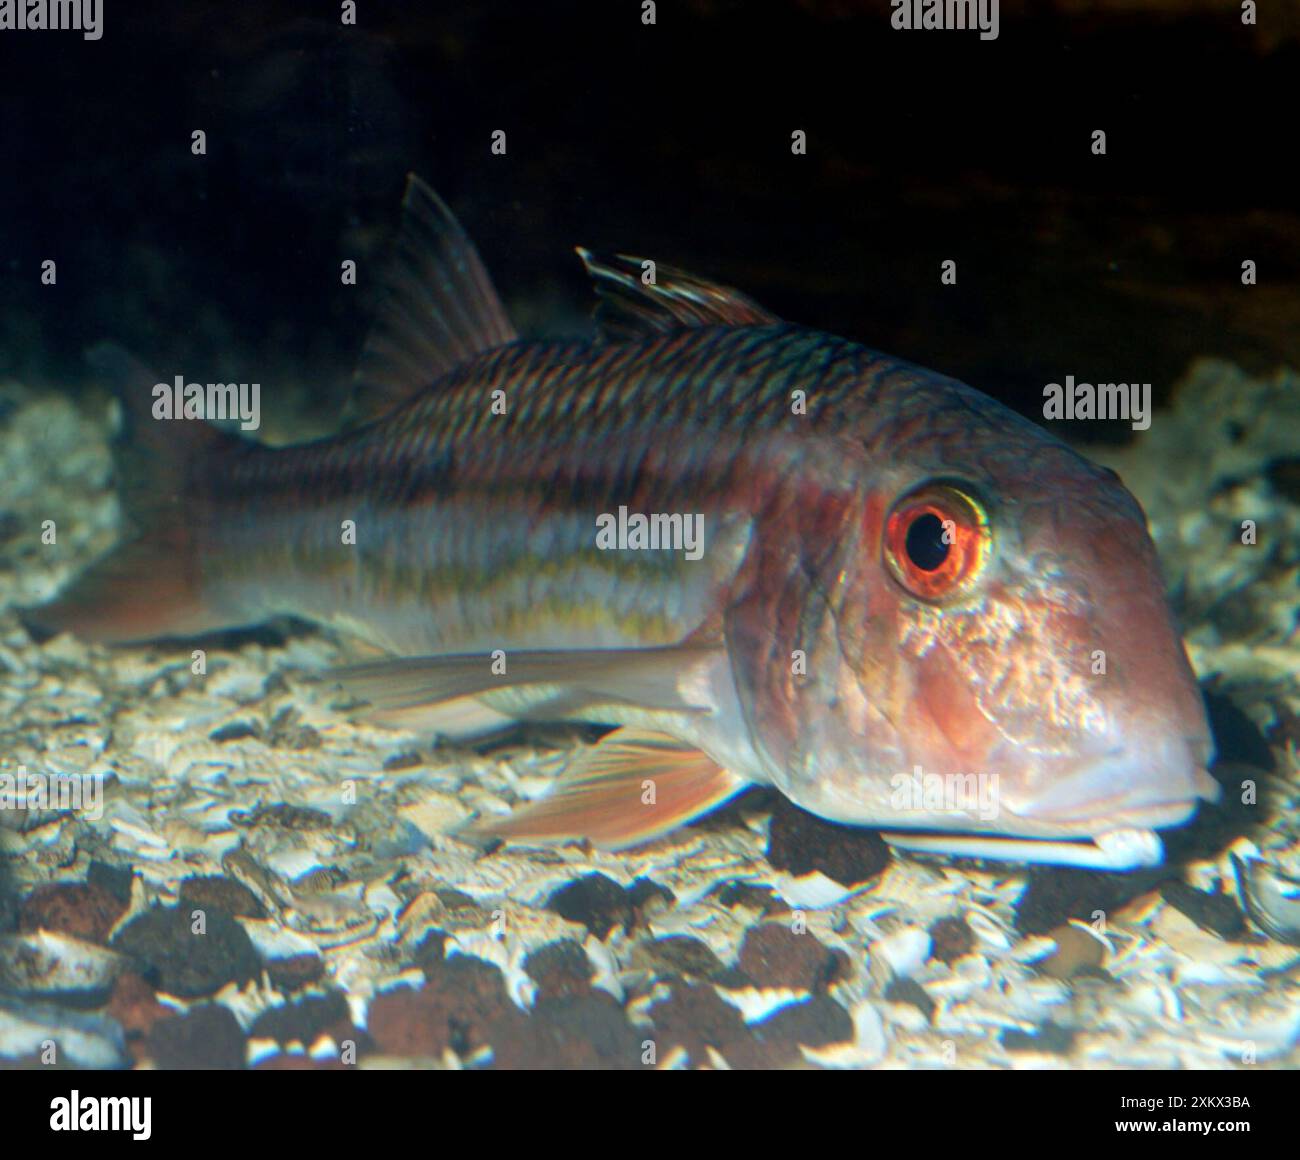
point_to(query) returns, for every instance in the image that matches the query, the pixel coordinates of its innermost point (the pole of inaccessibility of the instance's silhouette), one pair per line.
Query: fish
(907, 608)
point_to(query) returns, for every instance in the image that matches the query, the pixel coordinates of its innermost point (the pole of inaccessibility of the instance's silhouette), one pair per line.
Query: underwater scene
(632, 536)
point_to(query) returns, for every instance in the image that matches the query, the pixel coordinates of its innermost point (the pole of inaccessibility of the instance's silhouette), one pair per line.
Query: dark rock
(679, 955)
(306, 1020)
(819, 1022)
(801, 843)
(1237, 739)
(567, 1033)
(285, 1061)
(207, 1037)
(560, 969)
(1217, 913)
(1056, 894)
(284, 817)
(234, 731)
(217, 892)
(75, 908)
(773, 955)
(288, 732)
(431, 954)
(403, 761)
(646, 896)
(693, 1017)
(295, 972)
(910, 991)
(117, 880)
(454, 1009)
(746, 894)
(182, 963)
(598, 902)
(1283, 475)
(950, 938)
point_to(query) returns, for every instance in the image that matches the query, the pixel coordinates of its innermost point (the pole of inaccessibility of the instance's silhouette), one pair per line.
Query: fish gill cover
(641, 535)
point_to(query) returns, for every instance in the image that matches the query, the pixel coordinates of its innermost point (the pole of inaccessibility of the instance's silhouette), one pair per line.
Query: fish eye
(936, 541)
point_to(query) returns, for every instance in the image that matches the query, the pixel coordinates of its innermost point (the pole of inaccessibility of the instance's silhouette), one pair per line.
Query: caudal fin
(149, 586)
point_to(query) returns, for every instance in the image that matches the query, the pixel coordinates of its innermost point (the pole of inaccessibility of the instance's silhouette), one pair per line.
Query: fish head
(995, 649)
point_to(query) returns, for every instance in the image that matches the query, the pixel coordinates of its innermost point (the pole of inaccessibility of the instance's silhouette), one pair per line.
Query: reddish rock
(135, 1006)
(454, 1009)
(216, 892)
(693, 1017)
(773, 955)
(950, 939)
(76, 908)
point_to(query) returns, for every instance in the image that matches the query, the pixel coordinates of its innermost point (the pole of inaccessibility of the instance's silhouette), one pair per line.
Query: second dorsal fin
(631, 308)
(438, 307)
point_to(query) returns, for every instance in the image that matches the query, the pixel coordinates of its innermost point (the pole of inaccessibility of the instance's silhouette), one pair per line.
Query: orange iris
(936, 541)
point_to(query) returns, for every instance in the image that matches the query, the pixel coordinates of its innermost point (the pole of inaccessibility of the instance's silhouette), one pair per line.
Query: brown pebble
(217, 892)
(463, 996)
(76, 908)
(560, 969)
(295, 972)
(801, 843)
(180, 961)
(819, 1022)
(576, 1032)
(950, 938)
(134, 1005)
(306, 1020)
(773, 955)
(750, 896)
(693, 1017)
(601, 904)
(678, 954)
(207, 1037)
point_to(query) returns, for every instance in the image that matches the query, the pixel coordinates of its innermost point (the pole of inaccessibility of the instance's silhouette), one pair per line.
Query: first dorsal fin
(631, 308)
(438, 307)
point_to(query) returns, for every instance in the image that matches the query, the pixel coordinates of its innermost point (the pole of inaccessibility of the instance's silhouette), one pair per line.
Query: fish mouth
(1103, 814)
(1147, 786)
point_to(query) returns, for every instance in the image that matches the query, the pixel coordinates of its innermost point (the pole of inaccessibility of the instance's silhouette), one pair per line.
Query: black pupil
(925, 546)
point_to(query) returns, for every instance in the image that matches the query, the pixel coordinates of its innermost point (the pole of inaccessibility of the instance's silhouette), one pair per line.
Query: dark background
(671, 141)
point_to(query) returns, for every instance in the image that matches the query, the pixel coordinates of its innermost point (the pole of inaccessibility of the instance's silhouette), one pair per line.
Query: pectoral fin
(632, 786)
(563, 682)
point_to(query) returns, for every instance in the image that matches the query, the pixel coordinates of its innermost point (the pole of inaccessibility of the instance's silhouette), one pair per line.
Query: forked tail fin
(150, 585)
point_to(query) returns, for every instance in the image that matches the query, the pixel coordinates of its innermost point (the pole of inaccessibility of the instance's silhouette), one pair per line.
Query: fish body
(864, 575)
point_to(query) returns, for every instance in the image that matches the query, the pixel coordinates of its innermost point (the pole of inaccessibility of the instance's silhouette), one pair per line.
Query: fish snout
(1147, 782)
